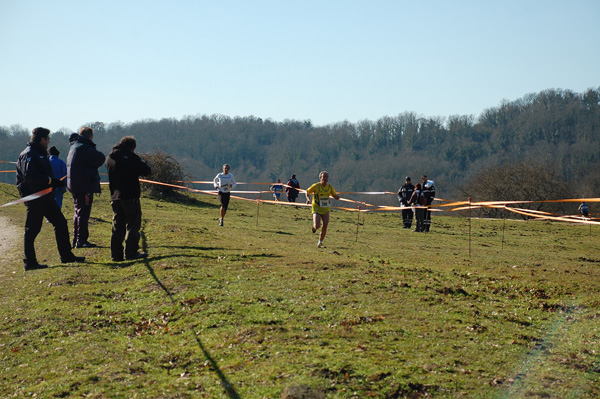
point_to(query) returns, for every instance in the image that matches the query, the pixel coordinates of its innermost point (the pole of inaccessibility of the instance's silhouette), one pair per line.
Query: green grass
(246, 310)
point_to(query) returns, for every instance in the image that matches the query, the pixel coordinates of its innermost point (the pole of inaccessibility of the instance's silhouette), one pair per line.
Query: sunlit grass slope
(253, 307)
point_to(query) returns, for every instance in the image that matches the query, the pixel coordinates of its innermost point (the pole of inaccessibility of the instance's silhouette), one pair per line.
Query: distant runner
(277, 189)
(583, 208)
(224, 182)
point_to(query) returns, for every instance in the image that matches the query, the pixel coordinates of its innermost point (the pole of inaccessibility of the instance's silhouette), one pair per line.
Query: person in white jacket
(224, 182)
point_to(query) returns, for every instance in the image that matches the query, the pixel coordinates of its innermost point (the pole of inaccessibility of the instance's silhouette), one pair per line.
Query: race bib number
(324, 202)
(225, 188)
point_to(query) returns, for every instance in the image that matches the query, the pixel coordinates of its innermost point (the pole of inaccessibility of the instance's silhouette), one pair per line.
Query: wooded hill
(557, 128)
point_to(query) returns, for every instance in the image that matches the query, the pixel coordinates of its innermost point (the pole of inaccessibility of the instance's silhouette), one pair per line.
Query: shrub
(165, 169)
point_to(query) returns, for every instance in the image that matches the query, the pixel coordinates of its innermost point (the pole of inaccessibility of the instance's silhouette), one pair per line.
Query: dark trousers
(82, 203)
(427, 220)
(47, 207)
(420, 216)
(126, 224)
(407, 217)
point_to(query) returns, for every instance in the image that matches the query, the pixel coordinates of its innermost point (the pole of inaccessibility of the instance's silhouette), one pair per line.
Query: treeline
(560, 128)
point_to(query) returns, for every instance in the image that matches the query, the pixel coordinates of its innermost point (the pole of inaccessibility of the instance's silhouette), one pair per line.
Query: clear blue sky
(67, 63)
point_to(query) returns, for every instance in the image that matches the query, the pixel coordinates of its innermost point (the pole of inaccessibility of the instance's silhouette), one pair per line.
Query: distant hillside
(554, 125)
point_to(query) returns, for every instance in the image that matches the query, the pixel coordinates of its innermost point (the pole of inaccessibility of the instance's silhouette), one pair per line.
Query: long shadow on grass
(160, 284)
(98, 220)
(191, 247)
(224, 381)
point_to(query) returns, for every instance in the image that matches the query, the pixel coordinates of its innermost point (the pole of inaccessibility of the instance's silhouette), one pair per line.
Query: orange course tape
(31, 197)
(453, 205)
(459, 205)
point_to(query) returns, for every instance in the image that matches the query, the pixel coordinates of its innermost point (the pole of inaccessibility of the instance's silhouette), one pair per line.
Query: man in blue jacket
(59, 168)
(83, 180)
(34, 175)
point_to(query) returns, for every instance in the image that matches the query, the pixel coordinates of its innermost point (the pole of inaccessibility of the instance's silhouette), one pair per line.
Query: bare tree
(528, 180)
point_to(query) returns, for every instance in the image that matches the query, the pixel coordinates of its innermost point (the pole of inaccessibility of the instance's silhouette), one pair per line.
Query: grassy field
(248, 309)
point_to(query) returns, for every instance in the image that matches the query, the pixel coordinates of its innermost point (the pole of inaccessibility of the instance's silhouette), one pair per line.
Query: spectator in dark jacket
(83, 180)
(404, 195)
(35, 175)
(124, 169)
(292, 189)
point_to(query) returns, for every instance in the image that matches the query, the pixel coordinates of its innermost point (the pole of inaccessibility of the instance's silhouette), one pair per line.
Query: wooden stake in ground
(257, 209)
(469, 227)
(357, 223)
(503, 226)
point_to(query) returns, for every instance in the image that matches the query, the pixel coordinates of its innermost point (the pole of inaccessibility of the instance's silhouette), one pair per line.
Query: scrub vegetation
(251, 308)
(555, 132)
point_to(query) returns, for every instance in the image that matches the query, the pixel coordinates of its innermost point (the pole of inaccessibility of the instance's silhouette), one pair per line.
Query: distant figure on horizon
(292, 189)
(224, 182)
(59, 167)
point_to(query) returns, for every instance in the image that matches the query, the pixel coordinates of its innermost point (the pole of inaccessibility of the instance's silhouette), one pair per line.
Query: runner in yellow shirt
(321, 193)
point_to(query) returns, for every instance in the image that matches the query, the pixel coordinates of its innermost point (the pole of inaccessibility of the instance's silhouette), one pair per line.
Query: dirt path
(9, 237)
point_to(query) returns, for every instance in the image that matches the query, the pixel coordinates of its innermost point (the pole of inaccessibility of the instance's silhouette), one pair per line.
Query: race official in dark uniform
(34, 174)
(429, 193)
(404, 195)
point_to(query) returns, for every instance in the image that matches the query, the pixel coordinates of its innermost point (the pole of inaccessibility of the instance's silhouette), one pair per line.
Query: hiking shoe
(139, 255)
(35, 266)
(220, 222)
(72, 259)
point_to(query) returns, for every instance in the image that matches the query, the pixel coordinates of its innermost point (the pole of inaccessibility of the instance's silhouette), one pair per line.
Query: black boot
(72, 258)
(33, 265)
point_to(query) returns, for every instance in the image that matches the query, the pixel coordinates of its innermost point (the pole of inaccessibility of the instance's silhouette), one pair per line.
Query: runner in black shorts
(224, 182)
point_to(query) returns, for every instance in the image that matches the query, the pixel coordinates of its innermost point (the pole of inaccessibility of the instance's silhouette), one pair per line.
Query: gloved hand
(57, 183)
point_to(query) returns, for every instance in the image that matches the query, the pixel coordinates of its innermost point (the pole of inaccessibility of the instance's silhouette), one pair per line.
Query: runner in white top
(224, 182)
